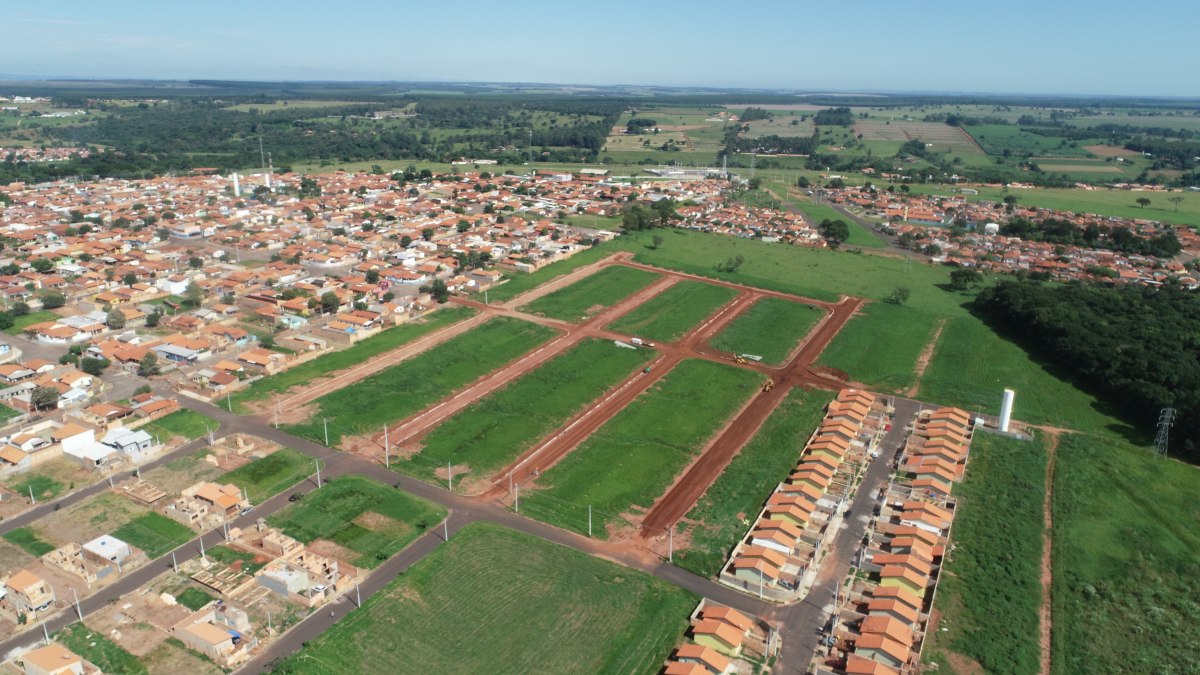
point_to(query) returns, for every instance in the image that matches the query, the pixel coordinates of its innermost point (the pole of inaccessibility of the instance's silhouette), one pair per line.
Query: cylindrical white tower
(237, 189)
(1006, 408)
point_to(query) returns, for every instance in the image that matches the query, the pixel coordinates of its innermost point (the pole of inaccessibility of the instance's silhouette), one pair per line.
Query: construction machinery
(768, 385)
(738, 359)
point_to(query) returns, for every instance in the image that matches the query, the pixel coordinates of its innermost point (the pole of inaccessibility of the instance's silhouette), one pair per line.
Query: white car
(318, 588)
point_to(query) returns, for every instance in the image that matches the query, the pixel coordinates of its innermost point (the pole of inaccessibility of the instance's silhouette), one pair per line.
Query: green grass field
(493, 600)
(1126, 541)
(995, 139)
(192, 597)
(593, 293)
(858, 235)
(154, 533)
(879, 347)
(363, 515)
(323, 366)
(7, 413)
(495, 430)
(28, 540)
(1119, 203)
(518, 283)
(231, 557)
(23, 322)
(971, 366)
(991, 589)
(772, 328)
(630, 460)
(403, 389)
(669, 315)
(264, 478)
(716, 523)
(105, 654)
(187, 423)
(42, 487)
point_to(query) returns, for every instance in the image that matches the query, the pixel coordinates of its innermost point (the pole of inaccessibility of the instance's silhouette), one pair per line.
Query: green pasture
(325, 365)
(771, 328)
(629, 461)
(996, 139)
(718, 520)
(403, 389)
(187, 423)
(669, 315)
(592, 294)
(363, 515)
(880, 345)
(495, 430)
(492, 600)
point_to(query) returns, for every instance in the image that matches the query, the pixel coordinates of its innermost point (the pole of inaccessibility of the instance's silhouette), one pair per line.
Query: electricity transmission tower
(752, 164)
(1165, 419)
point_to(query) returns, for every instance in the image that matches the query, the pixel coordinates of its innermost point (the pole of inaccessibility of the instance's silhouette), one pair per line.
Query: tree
(1144, 201)
(116, 319)
(129, 279)
(1176, 200)
(6, 321)
(803, 182)
(68, 358)
(899, 296)
(755, 183)
(53, 300)
(149, 365)
(932, 249)
(44, 398)
(43, 265)
(405, 241)
(152, 319)
(835, 230)
(464, 225)
(93, 367)
(658, 241)
(267, 340)
(144, 389)
(372, 276)
(427, 234)
(194, 293)
(962, 279)
(20, 309)
(439, 291)
(330, 301)
(387, 297)
(195, 262)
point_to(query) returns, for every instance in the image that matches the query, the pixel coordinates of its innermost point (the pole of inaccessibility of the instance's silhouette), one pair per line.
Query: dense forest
(1139, 346)
(1095, 235)
(841, 117)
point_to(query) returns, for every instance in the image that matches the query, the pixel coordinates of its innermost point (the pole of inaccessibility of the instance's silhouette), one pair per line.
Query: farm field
(715, 524)
(369, 520)
(879, 347)
(990, 590)
(518, 283)
(154, 533)
(403, 389)
(592, 294)
(1118, 203)
(772, 328)
(515, 615)
(858, 235)
(971, 365)
(266, 477)
(495, 430)
(327, 364)
(998, 138)
(669, 315)
(186, 423)
(630, 460)
(945, 138)
(1126, 541)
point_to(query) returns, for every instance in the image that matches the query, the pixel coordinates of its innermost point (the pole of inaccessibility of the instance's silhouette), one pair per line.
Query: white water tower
(1006, 408)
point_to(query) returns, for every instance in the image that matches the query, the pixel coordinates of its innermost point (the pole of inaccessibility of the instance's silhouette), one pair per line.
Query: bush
(93, 367)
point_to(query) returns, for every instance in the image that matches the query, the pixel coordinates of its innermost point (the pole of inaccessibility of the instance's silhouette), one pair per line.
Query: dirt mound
(827, 371)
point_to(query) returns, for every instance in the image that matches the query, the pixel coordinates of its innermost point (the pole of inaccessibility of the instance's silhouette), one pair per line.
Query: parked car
(295, 496)
(247, 510)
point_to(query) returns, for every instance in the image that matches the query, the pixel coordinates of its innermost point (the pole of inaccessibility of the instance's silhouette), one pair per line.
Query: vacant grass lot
(772, 328)
(231, 557)
(632, 458)
(518, 283)
(324, 366)
(23, 322)
(51, 479)
(669, 315)
(858, 235)
(592, 294)
(1126, 541)
(264, 478)
(497, 601)
(880, 346)
(28, 540)
(193, 598)
(363, 515)
(107, 655)
(715, 523)
(154, 533)
(403, 389)
(991, 589)
(972, 365)
(495, 430)
(186, 423)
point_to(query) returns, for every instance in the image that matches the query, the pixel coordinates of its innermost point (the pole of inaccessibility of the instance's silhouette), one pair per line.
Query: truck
(636, 341)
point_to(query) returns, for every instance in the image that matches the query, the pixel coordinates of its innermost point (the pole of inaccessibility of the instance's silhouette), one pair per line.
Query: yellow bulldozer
(768, 386)
(738, 359)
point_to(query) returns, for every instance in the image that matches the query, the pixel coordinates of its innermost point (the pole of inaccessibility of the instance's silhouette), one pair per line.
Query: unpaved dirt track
(1044, 612)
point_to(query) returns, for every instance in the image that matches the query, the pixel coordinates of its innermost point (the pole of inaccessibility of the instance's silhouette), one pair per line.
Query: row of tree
(1095, 235)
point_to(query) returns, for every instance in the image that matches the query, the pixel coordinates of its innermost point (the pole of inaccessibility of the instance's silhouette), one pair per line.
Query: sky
(1098, 47)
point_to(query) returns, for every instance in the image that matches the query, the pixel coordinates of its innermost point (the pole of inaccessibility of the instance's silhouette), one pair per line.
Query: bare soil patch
(925, 357)
(1105, 151)
(331, 550)
(827, 371)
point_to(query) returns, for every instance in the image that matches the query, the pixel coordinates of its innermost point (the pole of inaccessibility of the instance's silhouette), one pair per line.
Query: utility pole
(325, 420)
(358, 594)
(318, 463)
(387, 461)
(31, 495)
(589, 520)
(517, 500)
(202, 549)
(446, 523)
(77, 607)
(173, 563)
(450, 474)
(671, 545)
